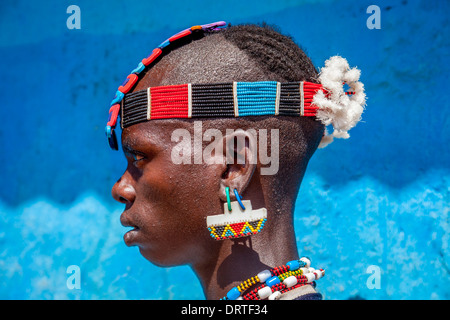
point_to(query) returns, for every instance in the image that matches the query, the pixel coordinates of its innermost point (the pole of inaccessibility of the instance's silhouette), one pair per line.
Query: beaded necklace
(277, 281)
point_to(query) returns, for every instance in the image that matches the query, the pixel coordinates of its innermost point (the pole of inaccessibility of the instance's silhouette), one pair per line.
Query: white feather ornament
(338, 109)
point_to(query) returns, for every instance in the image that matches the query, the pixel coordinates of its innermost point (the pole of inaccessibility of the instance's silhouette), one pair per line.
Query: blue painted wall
(380, 198)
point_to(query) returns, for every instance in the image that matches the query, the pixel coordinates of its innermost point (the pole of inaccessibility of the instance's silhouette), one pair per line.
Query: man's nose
(123, 191)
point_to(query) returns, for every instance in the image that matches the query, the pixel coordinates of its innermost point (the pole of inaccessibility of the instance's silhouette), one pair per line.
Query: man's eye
(137, 158)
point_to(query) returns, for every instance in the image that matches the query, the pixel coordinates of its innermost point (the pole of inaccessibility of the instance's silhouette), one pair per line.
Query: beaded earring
(239, 219)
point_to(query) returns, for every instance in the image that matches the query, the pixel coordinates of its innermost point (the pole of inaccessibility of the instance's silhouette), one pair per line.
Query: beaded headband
(328, 102)
(235, 99)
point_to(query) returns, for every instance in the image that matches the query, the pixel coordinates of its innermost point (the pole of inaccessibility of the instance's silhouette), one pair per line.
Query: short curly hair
(274, 52)
(248, 53)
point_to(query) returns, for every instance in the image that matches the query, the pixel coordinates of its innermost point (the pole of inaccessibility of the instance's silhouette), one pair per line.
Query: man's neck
(240, 259)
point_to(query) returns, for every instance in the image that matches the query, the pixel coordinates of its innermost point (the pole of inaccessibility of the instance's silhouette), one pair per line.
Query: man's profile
(246, 88)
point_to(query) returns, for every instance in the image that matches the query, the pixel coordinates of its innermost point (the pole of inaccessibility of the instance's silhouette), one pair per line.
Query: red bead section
(279, 270)
(113, 114)
(180, 35)
(128, 83)
(169, 102)
(155, 54)
(309, 90)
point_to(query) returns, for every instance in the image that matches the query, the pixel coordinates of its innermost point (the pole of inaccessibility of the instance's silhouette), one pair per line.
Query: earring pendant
(237, 222)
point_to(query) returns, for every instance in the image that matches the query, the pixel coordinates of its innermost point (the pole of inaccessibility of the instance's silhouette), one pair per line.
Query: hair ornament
(327, 101)
(337, 107)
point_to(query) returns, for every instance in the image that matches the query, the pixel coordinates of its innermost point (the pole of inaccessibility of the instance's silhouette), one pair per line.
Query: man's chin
(158, 258)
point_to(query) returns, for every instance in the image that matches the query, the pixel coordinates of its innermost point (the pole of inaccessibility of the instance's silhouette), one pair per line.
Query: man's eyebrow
(127, 149)
(132, 145)
(127, 146)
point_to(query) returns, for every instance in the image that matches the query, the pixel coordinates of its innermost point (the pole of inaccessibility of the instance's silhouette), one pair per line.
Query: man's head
(169, 202)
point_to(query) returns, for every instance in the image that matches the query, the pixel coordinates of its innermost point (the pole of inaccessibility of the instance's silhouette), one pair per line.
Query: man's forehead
(155, 133)
(140, 134)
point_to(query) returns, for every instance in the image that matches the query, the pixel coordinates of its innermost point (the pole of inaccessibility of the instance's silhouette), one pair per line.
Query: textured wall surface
(379, 199)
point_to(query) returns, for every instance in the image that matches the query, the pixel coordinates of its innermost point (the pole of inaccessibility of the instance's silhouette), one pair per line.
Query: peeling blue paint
(380, 198)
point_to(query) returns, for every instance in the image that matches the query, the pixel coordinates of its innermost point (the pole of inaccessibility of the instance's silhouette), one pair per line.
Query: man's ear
(240, 152)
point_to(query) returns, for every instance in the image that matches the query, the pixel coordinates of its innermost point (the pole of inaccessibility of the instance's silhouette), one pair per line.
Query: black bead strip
(212, 100)
(289, 99)
(134, 108)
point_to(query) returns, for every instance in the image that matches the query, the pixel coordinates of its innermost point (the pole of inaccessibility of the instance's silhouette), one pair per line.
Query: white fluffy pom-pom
(338, 109)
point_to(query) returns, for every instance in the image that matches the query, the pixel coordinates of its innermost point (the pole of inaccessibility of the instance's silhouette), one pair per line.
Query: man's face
(165, 203)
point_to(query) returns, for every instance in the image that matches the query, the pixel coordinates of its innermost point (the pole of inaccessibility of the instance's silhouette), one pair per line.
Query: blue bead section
(247, 230)
(164, 44)
(229, 233)
(108, 131)
(263, 223)
(233, 294)
(293, 265)
(256, 98)
(272, 281)
(139, 68)
(118, 98)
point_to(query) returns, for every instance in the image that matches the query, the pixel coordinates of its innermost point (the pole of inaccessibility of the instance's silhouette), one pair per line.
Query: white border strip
(302, 99)
(235, 100)
(189, 100)
(149, 103)
(277, 99)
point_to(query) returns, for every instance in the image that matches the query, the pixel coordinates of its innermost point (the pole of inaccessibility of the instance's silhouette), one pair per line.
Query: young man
(188, 173)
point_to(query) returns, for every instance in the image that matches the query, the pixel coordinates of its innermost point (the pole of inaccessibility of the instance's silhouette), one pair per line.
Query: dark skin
(167, 204)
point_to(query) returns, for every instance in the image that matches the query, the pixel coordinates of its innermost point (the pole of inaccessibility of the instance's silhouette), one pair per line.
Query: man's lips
(130, 236)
